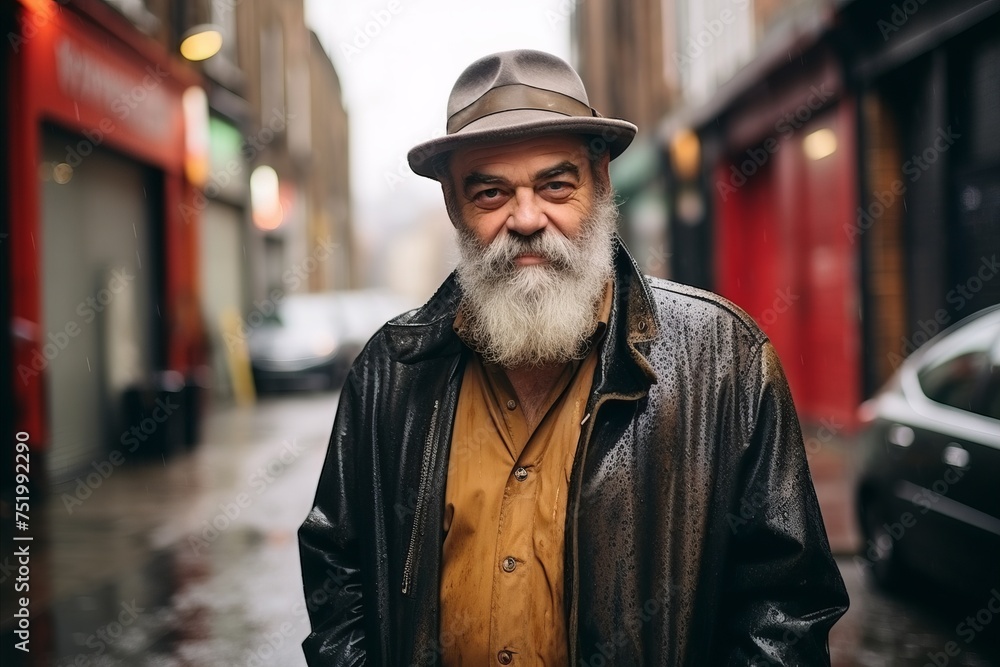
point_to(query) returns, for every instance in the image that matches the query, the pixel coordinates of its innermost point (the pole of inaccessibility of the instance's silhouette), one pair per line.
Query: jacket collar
(624, 369)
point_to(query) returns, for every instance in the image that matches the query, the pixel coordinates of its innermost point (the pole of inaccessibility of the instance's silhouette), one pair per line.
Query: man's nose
(527, 216)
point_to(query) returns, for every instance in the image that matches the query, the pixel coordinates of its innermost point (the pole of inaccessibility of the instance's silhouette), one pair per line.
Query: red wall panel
(782, 255)
(89, 75)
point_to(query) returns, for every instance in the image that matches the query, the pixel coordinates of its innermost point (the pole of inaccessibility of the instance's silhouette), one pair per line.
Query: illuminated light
(324, 347)
(201, 42)
(196, 154)
(62, 173)
(685, 154)
(820, 144)
(265, 204)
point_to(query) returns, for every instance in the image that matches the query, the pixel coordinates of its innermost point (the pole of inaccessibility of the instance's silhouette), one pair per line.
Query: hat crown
(520, 67)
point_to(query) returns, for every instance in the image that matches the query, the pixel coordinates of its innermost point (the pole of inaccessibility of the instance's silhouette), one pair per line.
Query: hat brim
(609, 134)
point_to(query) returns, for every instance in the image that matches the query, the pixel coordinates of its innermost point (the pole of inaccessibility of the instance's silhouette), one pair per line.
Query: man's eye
(489, 196)
(558, 188)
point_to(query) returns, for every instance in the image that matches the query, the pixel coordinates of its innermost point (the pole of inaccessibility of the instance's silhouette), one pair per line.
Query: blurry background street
(207, 211)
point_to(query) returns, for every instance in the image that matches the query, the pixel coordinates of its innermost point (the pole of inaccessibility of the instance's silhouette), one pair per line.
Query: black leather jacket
(693, 535)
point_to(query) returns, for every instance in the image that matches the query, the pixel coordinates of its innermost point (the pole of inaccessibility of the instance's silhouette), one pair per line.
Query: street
(915, 630)
(189, 562)
(193, 561)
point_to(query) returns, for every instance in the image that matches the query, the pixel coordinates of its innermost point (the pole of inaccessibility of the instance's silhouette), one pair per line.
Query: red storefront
(784, 194)
(103, 265)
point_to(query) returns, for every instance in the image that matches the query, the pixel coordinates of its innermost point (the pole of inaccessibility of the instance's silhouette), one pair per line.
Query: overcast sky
(397, 61)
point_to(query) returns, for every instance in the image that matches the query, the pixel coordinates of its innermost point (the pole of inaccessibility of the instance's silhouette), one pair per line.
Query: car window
(966, 377)
(991, 397)
(956, 382)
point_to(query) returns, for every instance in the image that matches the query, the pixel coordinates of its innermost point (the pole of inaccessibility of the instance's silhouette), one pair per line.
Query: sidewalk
(191, 560)
(833, 471)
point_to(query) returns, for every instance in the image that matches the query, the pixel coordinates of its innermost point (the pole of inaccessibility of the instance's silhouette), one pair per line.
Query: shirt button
(505, 657)
(508, 564)
(520, 474)
(511, 404)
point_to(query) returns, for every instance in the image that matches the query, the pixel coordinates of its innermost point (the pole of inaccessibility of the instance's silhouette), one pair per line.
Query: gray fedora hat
(515, 95)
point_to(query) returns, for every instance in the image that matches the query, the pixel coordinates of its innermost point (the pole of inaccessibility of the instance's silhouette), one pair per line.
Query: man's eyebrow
(479, 178)
(564, 167)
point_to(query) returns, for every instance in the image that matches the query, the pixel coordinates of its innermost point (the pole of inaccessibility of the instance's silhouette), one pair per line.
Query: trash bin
(196, 390)
(153, 412)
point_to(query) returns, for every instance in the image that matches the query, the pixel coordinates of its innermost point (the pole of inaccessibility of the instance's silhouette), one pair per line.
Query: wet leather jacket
(693, 535)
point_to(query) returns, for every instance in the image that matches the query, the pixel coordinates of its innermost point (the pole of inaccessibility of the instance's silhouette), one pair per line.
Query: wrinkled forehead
(524, 155)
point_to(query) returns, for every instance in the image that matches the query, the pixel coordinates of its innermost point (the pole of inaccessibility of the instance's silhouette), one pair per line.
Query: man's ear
(603, 165)
(601, 171)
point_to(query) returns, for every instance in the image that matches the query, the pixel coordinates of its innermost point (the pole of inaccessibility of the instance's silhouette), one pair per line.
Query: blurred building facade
(136, 224)
(618, 48)
(827, 164)
(280, 220)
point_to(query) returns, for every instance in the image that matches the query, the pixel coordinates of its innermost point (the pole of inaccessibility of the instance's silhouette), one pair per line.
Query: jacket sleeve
(329, 546)
(782, 590)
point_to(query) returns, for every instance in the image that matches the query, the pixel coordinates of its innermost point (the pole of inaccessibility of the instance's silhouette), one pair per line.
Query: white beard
(537, 314)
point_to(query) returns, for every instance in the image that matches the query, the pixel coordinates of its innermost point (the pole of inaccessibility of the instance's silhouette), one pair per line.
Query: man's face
(536, 237)
(524, 188)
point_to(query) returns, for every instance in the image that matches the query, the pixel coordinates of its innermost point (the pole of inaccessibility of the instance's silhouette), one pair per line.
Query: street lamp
(820, 144)
(201, 42)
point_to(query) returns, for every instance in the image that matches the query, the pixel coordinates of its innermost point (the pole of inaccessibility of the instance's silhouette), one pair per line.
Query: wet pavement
(921, 627)
(188, 561)
(915, 628)
(193, 560)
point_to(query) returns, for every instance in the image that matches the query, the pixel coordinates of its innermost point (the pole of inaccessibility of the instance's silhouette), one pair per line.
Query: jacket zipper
(418, 510)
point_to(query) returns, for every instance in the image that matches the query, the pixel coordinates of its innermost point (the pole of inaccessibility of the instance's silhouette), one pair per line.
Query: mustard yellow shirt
(504, 517)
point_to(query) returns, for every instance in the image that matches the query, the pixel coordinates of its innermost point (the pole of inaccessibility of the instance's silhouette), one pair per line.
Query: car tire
(881, 552)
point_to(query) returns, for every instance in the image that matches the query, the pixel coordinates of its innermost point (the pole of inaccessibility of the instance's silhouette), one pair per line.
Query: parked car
(312, 339)
(929, 488)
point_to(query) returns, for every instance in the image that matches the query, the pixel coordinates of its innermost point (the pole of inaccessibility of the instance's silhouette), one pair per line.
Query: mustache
(500, 254)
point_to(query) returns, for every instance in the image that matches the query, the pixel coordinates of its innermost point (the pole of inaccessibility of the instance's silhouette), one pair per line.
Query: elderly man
(556, 460)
